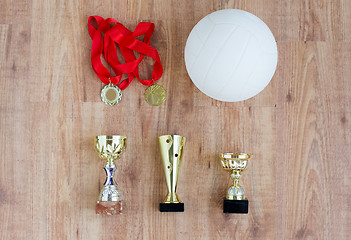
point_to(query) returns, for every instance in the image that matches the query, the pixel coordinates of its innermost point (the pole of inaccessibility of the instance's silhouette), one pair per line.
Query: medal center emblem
(111, 94)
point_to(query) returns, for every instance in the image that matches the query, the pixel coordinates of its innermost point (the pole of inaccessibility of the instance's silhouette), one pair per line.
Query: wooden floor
(298, 182)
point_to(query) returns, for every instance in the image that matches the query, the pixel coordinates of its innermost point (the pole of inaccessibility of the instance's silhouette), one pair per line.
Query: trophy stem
(235, 192)
(236, 177)
(172, 197)
(110, 191)
(110, 201)
(110, 169)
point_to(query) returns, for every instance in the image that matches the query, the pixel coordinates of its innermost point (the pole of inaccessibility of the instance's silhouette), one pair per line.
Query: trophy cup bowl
(235, 201)
(110, 148)
(171, 148)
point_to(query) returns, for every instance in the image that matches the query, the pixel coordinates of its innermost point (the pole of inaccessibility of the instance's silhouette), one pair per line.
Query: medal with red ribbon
(107, 34)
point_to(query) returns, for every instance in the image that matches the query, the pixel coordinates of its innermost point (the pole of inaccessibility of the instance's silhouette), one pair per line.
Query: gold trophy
(171, 147)
(110, 149)
(235, 201)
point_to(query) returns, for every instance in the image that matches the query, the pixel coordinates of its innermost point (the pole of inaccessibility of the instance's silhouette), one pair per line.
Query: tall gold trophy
(171, 147)
(110, 149)
(235, 201)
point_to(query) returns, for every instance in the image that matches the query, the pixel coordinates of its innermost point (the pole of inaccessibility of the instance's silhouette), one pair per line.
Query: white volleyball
(231, 55)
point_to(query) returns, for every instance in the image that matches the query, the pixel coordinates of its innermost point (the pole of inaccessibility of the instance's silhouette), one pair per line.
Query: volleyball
(231, 55)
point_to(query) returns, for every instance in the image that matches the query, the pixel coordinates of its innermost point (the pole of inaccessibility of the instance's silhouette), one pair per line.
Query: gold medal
(155, 95)
(111, 94)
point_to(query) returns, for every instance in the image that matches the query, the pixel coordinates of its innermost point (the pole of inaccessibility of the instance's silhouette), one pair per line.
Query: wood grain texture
(298, 181)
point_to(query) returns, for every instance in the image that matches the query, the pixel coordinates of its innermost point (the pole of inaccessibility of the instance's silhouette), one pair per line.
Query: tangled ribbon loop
(105, 38)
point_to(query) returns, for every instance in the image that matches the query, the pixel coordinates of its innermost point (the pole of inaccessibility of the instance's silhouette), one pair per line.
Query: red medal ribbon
(127, 42)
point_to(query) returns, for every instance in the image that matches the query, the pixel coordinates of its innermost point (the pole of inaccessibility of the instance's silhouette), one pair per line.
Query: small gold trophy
(235, 201)
(109, 148)
(171, 147)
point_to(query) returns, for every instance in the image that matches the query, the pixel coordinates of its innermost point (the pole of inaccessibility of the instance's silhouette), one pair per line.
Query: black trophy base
(236, 206)
(171, 207)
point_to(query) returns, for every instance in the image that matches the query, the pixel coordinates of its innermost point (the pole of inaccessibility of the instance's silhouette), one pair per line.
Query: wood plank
(309, 103)
(16, 175)
(18, 12)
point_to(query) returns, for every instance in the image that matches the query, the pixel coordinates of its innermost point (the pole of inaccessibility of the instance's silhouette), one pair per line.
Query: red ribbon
(127, 42)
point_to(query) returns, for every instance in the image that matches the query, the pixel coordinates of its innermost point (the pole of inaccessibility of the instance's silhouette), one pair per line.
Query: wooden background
(298, 128)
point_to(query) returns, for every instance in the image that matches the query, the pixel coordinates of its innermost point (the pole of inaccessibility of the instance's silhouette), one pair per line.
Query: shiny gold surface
(155, 95)
(110, 148)
(171, 147)
(111, 94)
(237, 163)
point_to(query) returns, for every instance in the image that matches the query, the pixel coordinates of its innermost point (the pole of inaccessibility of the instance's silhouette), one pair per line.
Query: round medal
(111, 94)
(155, 95)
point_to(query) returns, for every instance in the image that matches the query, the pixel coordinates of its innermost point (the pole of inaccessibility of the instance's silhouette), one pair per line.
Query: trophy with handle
(110, 148)
(235, 201)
